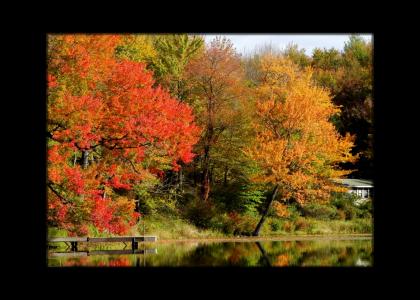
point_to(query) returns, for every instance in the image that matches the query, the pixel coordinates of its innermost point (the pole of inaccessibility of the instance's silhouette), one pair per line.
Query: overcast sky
(245, 43)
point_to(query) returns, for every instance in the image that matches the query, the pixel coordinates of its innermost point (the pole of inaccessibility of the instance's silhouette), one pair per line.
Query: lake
(283, 253)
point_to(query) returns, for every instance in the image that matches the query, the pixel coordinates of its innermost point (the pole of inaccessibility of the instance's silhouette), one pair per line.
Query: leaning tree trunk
(264, 254)
(265, 212)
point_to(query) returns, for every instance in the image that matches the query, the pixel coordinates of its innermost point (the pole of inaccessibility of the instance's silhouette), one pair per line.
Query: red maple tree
(108, 127)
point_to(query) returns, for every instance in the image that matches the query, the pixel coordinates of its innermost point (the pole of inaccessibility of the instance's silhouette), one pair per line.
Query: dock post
(73, 246)
(134, 244)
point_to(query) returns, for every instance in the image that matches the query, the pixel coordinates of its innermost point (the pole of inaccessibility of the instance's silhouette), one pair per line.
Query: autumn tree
(297, 147)
(108, 129)
(216, 82)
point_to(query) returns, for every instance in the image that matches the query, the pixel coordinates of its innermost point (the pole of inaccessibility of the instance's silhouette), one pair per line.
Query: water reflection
(263, 253)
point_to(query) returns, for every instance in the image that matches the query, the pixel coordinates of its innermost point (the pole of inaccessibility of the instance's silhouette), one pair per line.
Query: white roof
(362, 183)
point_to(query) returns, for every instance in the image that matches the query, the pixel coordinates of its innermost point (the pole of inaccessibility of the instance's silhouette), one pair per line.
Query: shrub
(276, 224)
(341, 215)
(246, 225)
(288, 226)
(251, 198)
(200, 213)
(319, 211)
(346, 203)
(157, 205)
(222, 223)
(365, 210)
(241, 224)
(302, 224)
(350, 212)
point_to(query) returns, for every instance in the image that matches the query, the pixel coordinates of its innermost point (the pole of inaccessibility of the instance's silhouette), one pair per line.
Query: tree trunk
(225, 176)
(211, 175)
(208, 142)
(205, 186)
(194, 172)
(205, 183)
(261, 222)
(85, 159)
(180, 180)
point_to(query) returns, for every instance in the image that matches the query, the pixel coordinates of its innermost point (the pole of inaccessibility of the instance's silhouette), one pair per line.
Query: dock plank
(67, 254)
(68, 239)
(110, 239)
(122, 252)
(105, 239)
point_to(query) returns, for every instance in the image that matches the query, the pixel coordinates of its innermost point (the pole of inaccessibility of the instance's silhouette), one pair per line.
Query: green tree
(348, 75)
(138, 48)
(298, 56)
(173, 54)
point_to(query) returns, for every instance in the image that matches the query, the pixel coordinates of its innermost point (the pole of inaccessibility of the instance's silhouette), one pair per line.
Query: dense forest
(194, 139)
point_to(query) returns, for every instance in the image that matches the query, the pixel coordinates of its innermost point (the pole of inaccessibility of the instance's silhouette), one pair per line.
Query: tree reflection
(262, 254)
(282, 260)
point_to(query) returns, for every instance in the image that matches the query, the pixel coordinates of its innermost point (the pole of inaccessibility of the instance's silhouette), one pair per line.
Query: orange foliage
(296, 145)
(282, 260)
(281, 209)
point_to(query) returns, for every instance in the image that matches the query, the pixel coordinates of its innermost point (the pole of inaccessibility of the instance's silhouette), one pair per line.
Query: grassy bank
(167, 228)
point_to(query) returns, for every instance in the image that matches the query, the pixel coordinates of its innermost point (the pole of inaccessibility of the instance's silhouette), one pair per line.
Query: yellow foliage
(296, 144)
(281, 209)
(282, 260)
(138, 47)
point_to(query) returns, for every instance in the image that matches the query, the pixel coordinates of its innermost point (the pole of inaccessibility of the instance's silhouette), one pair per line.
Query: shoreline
(361, 236)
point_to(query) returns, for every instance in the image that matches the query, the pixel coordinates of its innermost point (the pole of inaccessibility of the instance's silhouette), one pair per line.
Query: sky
(246, 43)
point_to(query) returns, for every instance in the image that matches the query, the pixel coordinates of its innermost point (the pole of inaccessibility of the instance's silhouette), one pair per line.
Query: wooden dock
(102, 252)
(134, 240)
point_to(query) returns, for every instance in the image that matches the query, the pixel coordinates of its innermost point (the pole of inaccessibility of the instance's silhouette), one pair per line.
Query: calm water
(259, 254)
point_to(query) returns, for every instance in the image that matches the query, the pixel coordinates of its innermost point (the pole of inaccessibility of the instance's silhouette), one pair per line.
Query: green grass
(171, 228)
(167, 227)
(314, 226)
(55, 232)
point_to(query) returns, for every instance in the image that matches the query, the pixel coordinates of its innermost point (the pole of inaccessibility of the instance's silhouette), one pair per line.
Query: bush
(365, 210)
(251, 197)
(341, 215)
(345, 202)
(241, 224)
(157, 205)
(247, 225)
(288, 226)
(320, 212)
(302, 224)
(200, 213)
(222, 223)
(276, 224)
(350, 212)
